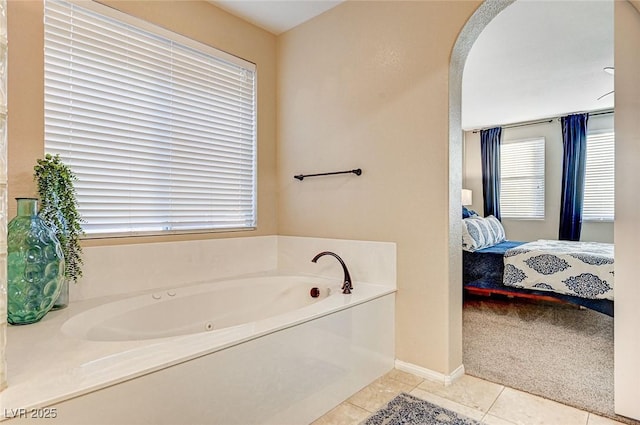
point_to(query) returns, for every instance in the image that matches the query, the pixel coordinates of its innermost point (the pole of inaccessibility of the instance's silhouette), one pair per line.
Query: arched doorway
(470, 32)
(627, 226)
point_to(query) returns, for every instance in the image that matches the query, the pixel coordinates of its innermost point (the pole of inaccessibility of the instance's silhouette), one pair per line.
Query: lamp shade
(467, 197)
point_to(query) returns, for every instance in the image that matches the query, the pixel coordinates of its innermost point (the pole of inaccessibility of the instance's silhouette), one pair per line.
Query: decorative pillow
(475, 233)
(478, 233)
(497, 228)
(466, 212)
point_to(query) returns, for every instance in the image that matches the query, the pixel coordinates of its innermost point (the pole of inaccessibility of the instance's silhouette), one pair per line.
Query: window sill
(103, 236)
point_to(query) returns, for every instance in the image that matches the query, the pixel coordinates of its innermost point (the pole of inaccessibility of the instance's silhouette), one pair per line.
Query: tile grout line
(412, 386)
(485, 413)
(494, 402)
(359, 407)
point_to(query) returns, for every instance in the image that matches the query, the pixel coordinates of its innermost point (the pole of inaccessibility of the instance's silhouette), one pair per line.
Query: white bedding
(583, 269)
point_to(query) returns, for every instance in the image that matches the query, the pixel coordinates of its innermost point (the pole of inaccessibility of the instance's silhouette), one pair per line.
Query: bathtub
(205, 307)
(255, 350)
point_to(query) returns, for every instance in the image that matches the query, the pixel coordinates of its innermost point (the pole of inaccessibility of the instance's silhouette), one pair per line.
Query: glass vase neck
(27, 206)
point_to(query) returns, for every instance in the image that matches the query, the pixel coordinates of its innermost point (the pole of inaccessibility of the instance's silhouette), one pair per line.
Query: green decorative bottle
(35, 265)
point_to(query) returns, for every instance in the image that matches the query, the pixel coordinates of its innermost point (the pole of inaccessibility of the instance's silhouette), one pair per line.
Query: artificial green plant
(59, 210)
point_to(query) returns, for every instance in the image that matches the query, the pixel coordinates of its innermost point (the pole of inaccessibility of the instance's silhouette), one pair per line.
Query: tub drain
(208, 326)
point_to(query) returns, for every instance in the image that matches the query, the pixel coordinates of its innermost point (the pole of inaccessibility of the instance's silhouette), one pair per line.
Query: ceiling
(276, 16)
(539, 59)
(536, 59)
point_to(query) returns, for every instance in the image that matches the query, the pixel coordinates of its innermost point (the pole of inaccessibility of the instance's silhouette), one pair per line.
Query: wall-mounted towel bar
(357, 172)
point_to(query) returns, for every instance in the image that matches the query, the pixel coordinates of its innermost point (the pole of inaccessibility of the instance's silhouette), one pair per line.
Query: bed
(579, 273)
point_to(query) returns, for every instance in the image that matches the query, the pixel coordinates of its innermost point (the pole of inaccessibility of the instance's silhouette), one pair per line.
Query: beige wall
(531, 230)
(198, 20)
(366, 85)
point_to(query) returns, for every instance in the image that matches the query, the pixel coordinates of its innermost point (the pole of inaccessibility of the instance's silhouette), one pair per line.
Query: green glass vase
(35, 268)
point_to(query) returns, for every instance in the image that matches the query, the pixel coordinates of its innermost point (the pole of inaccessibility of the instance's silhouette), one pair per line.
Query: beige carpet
(554, 351)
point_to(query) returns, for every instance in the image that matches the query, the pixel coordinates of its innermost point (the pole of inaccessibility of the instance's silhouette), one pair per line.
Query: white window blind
(599, 185)
(522, 179)
(159, 129)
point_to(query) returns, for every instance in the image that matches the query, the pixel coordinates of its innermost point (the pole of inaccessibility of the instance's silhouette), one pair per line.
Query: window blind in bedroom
(599, 200)
(159, 129)
(522, 179)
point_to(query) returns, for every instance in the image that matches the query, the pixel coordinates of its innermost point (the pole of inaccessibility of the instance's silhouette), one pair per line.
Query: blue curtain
(490, 151)
(574, 140)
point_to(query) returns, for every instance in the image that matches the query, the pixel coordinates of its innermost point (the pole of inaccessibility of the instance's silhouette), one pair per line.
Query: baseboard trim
(429, 374)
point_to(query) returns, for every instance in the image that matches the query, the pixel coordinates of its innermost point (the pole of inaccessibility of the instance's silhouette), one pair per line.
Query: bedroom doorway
(481, 18)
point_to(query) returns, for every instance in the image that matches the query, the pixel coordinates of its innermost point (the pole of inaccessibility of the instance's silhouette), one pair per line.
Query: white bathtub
(205, 307)
(246, 351)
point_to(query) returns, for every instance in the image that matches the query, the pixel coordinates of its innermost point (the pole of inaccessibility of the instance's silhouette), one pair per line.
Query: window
(599, 181)
(160, 129)
(522, 179)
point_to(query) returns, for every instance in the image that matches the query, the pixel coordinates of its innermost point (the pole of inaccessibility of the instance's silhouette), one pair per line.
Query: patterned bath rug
(406, 409)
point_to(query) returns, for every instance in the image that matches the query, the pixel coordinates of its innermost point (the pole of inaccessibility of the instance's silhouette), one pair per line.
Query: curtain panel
(574, 140)
(490, 151)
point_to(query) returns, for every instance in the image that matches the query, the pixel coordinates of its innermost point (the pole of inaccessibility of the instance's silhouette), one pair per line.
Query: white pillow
(478, 233)
(497, 228)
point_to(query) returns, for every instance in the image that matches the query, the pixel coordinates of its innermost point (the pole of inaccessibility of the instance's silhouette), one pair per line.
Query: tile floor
(475, 398)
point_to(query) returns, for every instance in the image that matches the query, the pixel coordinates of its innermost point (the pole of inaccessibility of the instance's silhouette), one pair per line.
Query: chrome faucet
(347, 286)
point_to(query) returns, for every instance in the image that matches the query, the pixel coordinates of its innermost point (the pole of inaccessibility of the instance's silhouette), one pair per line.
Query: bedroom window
(522, 179)
(160, 129)
(599, 202)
